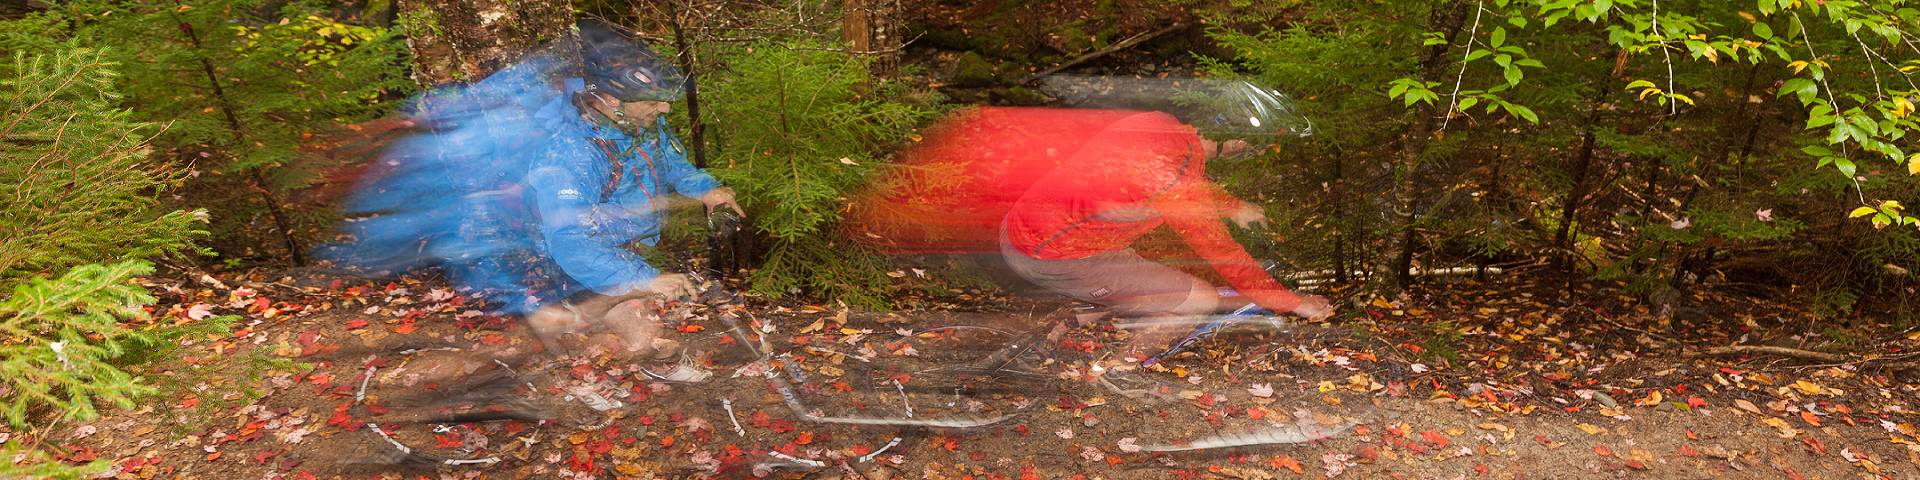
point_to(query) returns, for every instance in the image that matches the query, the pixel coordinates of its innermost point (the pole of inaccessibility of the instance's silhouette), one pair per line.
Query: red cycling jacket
(1064, 184)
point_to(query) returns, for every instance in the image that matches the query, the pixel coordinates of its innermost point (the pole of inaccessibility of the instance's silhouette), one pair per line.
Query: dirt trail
(1554, 399)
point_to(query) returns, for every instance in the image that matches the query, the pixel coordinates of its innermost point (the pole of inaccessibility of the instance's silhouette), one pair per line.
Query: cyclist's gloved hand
(672, 285)
(717, 197)
(1313, 307)
(1249, 215)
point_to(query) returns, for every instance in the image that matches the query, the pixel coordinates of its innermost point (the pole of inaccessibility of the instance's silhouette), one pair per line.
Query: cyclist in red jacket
(1072, 232)
(1063, 194)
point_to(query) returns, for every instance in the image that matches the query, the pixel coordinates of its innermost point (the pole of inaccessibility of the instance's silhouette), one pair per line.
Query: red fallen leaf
(260, 304)
(1022, 429)
(1480, 470)
(860, 450)
(782, 426)
(1366, 453)
(405, 328)
(1540, 438)
(190, 402)
(1808, 417)
(340, 419)
(1688, 451)
(1205, 400)
(1696, 402)
(212, 456)
(726, 340)
(842, 387)
(760, 419)
(1259, 413)
(950, 444)
(1794, 474)
(447, 440)
(1434, 438)
(1603, 451)
(803, 439)
(691, 328)
(304, 475)
(1636, 465)
(1027, 472)
(356, 324)
(666, 442)
(1815, 444)
(377, 409)
(1692, 435)
(1111, 459)
(1286, 462)
(493, 339)
(646, 420)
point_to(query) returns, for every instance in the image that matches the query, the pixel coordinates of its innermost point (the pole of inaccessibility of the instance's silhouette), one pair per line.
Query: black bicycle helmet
(625, 68)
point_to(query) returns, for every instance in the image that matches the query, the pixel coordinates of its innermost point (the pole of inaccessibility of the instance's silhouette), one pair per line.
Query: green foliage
(79, 189)
(803, 126)
(75, 173)
(71, 337)
(37, 464)
(238, 83)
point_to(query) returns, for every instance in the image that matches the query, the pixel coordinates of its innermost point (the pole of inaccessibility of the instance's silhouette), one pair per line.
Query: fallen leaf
(1786, 431)
(1262, 390)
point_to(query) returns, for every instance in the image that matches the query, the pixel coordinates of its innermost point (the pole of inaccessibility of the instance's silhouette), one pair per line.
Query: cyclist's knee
(1201, 299)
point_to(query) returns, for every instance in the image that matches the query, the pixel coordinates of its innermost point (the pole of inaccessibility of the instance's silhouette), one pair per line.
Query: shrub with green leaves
(803, 125)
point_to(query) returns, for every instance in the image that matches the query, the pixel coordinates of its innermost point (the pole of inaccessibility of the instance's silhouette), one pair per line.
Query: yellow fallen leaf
(1747, 406)
(1786, 431)
(1652, 398)
(1808, 388)
(1591, 429)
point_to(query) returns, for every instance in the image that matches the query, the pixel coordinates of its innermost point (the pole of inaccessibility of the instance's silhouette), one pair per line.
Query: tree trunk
(689, 66)
(227, 109)
(1448, 18)
(871, 27)
(1580, 171)
(465, 40)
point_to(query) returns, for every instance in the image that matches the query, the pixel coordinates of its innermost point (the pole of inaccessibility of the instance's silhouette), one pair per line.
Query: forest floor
(1457, 380)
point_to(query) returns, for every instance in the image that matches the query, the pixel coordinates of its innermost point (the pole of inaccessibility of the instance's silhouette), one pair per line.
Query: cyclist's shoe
(684, 371)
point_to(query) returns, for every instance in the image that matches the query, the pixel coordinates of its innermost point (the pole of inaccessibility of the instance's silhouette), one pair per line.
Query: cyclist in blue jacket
(528, 187)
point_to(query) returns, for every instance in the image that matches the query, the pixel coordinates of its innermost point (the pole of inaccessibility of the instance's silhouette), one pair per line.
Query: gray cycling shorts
(1122, 279)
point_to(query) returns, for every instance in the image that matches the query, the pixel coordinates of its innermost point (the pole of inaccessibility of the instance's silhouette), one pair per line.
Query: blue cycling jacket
(514, 195)
(586, 215)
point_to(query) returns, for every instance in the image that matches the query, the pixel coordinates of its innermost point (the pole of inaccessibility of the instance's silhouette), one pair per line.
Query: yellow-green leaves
(1884, 214)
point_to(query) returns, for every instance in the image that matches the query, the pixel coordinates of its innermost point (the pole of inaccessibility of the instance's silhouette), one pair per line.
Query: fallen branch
(1775, 351)
(1115, 47)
